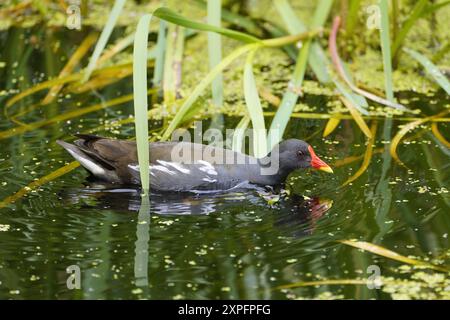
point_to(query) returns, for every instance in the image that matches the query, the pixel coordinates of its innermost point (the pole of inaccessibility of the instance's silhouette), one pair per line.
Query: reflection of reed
(141, 244)
(383, 193)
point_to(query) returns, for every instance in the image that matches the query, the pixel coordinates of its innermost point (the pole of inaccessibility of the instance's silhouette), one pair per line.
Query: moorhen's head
(297, 154)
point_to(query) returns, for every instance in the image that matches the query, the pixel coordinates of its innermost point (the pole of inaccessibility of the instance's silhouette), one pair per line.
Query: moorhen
(185, 166)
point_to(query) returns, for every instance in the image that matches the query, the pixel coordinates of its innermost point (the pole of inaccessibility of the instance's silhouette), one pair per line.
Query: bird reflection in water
(295, 215)
(293, 210)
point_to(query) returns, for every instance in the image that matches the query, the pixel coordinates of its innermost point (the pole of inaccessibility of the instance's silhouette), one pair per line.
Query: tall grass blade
(178, 59)
(294, 25)
(254, 108)
(169, 75)
(215, 50)
(352, 17)
(431, 69)
(416, 13)
(282, 116)
(386, 49)
(205, 82)
(140, 99)
(281, 119)
(119, 46)
(106, 33)
(239, 134)
(160, 53)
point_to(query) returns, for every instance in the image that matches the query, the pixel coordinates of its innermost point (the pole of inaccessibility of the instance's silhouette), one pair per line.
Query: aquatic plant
(316, 67)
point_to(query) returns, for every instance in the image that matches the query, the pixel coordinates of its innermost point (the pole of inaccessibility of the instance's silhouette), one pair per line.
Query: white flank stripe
(175, 165)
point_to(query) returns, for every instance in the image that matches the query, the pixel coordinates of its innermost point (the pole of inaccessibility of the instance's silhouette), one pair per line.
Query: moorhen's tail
(94, 164)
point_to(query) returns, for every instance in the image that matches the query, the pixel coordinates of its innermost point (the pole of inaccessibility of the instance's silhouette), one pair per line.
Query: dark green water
(231, 245)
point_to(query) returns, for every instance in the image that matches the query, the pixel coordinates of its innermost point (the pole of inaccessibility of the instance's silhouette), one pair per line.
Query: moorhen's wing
(174, 166)
(183, 166)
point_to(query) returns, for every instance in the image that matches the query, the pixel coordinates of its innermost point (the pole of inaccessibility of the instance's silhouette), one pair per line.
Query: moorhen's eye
(300, 153)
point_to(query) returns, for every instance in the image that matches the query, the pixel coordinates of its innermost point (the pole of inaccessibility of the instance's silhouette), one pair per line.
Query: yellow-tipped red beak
(326, 169)
(318, 163)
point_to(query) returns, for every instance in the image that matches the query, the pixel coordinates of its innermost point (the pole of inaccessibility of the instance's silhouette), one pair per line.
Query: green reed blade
(431, 69)
(386, 49)
(352, 16)
(168, 75)
(353, 98)
(106, 33)
(140, 99)
(254, 108)
(294, 25)
(234, 18)
(170, 16)
(318, 64)
(416, 13)
(160, 51)
(215, 50)
(205, 82)
(239, 134)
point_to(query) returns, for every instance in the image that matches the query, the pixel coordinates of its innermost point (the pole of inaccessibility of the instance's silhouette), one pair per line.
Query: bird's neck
(268, 171)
